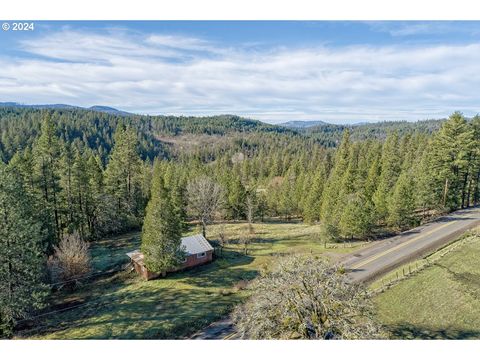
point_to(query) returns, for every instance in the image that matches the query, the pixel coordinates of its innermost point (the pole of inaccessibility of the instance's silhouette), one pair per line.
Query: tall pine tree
(332, 200)
(161, 233)
(390, 169)
(452, 151)
(122, 180)
(402, 203)
(47, 154)
(21, 256)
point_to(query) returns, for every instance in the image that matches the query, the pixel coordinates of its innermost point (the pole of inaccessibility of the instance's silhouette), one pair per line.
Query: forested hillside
(330, 134)
(85, 130)
(86, 174)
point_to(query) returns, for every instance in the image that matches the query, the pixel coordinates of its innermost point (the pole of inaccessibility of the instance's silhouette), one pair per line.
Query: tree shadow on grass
(110, 253)
(409, 331)
(173, 307)
(281, 220)
(219, 274)
(292, 241)
(146, 313)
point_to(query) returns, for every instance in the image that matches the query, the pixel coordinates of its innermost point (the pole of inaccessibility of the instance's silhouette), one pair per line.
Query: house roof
(192, 245)
(195, 244)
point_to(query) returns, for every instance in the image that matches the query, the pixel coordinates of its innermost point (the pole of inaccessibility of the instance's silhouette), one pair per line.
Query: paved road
(382, 256)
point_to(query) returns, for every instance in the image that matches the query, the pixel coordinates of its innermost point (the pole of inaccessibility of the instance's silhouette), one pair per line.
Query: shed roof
(192, 245)
(195, 244)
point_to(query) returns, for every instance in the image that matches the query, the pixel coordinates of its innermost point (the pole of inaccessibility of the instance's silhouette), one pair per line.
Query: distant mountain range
(292, 125)
(100, 108)
(307, 124)
(299, 124)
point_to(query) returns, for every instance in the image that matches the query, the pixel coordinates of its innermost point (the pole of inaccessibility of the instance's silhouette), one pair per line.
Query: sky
(334, 71)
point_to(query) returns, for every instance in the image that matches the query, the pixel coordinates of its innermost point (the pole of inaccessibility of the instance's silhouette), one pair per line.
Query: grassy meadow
(125, 306)
(441, 301)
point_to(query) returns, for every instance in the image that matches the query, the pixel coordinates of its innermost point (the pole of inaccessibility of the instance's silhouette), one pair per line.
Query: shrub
(71, 259)
(306, 298)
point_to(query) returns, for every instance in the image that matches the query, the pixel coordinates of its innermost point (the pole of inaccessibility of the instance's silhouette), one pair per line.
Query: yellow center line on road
(229, 336)
(379, 255)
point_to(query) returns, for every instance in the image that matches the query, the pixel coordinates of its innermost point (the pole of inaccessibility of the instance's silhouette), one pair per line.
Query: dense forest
(330, 134)
(88, 173)
(93, 130)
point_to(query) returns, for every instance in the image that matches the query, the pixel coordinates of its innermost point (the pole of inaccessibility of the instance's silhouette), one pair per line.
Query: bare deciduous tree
(251, 207)
(305, 298)
(246, 238)
(222, 237)
(71, 259)
(205, 199)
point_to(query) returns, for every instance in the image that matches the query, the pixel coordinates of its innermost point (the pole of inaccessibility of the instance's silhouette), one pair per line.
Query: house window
(201, 255)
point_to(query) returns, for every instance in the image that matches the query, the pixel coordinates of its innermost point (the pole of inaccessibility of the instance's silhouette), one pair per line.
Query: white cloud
(182, 75)
(413, 28)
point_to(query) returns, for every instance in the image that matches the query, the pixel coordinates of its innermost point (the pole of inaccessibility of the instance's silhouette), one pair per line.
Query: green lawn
(108, 254)
(124, 306)
(441, 301)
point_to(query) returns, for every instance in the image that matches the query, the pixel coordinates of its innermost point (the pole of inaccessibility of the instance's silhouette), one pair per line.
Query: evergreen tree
(176, 184)
(67, 205)
(122, 173)
(262, 204)
(402, 203)
(21, 258)
(424, 182)
(161, 233)
(236, 198)
(373, 175)
(452, 151)
(287, 203)
(81, 199)
(47, 153)
(23, 162)
(251, 204)
(95, 196)
(475, 162)
(145, 183)
(390, 169)
(355, 221)
(332, 201)
(313, 200)
(355, 210)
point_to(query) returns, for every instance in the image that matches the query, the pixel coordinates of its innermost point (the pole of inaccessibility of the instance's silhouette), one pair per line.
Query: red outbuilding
(197, 249)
